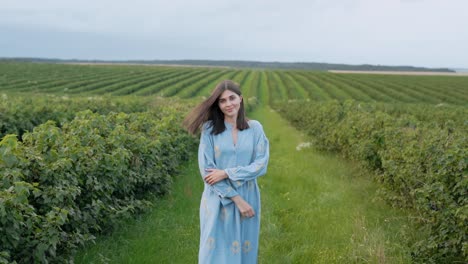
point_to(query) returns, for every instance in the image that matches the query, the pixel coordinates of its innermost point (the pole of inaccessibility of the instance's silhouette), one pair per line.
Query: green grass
(316, 208)
(166, 234)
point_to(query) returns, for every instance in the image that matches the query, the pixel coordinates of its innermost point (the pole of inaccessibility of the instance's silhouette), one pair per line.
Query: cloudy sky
(428, 33)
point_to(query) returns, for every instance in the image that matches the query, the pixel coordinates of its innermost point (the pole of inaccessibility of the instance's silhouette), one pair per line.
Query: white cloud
(417, 32)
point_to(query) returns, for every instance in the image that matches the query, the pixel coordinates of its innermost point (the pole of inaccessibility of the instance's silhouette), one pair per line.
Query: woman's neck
(231, 120)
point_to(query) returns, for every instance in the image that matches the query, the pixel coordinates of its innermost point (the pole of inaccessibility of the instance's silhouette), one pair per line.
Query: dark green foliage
(421, 162)
(63, 185)
(20, 114)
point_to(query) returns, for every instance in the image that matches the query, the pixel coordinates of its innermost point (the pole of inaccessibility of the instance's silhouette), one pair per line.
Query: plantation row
(68, 180)
(266, 86)
(20, 114)
(421, 162)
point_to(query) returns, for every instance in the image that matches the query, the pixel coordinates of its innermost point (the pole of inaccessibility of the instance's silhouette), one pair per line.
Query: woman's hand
(215, 176)
(244, 208)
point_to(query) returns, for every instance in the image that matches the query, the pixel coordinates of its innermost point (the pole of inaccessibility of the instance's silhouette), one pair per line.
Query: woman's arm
(206, 161)
(259, 166)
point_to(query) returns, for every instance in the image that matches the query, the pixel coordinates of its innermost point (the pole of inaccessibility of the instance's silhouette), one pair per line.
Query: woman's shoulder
(254, 124)
(207, 126)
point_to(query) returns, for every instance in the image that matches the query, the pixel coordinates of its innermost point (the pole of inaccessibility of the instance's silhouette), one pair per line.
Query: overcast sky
(428, 33)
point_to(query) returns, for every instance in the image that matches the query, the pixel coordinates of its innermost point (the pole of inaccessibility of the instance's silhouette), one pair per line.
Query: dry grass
(404, 73)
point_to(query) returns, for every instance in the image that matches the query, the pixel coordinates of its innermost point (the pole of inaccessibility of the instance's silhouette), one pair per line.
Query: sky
(425, 33)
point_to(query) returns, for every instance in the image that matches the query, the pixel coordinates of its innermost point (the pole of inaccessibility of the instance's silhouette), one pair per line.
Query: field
(266, 86)
(85, 147)
(405, 73)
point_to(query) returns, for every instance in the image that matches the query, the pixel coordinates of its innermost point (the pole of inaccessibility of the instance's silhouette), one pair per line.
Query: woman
(233, 152)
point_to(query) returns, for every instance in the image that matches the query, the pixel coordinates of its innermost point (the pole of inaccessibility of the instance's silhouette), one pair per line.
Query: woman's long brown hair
(209, 110)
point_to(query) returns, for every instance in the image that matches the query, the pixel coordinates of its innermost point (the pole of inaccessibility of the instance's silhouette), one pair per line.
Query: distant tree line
(245, 64)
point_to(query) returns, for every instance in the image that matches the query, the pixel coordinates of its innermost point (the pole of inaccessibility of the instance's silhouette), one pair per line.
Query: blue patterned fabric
(226, 236)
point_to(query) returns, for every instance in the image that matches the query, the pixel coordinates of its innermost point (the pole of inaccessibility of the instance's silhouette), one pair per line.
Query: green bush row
(421, 165)
(19, 114)
(62, 185)
(439, 114)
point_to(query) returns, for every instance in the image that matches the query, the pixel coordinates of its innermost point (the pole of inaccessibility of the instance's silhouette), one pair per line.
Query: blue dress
(225, 236)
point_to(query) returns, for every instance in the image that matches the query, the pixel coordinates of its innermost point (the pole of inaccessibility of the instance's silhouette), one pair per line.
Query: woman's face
(229, 103)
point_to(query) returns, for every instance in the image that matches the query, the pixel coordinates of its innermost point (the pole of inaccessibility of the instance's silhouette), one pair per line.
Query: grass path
(316, 208)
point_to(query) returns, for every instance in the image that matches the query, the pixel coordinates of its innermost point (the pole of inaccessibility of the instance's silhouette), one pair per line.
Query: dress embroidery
(247, 247)
(259, 167)
(235, 248)
(210, 243)
(205, 207)
(224, 214)
(217, 152)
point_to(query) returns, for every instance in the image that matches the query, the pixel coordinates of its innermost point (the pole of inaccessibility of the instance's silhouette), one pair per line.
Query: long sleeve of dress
(223, 188)
(259, 166)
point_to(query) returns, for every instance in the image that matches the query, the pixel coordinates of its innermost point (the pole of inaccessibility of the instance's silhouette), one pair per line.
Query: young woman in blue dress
(233, 153)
